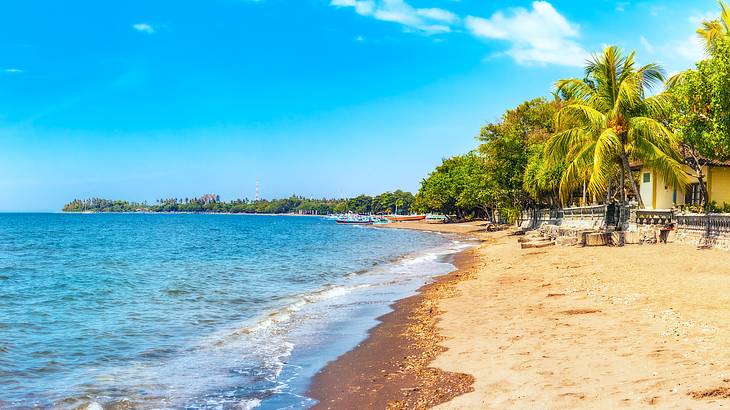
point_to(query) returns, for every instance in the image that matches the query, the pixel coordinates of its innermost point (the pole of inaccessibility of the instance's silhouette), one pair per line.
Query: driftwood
(543, 244)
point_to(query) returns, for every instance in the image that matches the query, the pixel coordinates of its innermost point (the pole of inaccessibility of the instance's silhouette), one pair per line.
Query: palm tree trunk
(627, 167)
(622, 186)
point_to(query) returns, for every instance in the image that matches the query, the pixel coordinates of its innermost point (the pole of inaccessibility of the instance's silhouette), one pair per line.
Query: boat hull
(354, 222)
(405, 218)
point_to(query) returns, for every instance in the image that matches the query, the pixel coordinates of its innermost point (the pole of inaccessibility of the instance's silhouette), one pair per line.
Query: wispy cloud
(144, 28)
(690, 49)
(426, 20)
(647, 45)
(537, 36)
(13, 70)
(697, 19)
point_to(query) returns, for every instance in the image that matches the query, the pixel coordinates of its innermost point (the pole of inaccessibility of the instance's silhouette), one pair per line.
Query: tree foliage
(608, 121)
(459, 186)
(701, 110)
(712, 31)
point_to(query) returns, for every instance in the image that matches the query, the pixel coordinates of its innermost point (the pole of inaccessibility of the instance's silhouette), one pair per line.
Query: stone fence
(636, 226)
(654, 217)
(704, 230)
(535, 218)
(583, 217)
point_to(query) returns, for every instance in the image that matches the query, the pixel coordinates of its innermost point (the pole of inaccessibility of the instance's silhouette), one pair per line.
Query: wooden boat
(404, 218)
(354, 222)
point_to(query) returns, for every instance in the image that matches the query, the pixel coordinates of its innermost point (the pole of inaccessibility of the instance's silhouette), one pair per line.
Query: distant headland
(388, 202)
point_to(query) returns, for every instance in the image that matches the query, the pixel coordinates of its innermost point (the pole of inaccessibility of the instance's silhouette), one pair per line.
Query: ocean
(192, 311)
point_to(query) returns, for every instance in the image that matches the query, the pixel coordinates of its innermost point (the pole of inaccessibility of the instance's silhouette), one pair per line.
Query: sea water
(192, 311)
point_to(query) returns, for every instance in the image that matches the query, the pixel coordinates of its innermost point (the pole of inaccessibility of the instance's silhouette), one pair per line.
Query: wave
(256, 354)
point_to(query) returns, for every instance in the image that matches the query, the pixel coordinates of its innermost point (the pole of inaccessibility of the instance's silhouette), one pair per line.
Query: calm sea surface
(191, 311)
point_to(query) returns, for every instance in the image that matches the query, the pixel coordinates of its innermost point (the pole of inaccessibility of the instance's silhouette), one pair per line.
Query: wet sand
(390, 369)
(567, 327)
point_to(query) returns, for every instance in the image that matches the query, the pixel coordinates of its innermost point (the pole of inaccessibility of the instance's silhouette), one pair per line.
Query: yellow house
(657, 194)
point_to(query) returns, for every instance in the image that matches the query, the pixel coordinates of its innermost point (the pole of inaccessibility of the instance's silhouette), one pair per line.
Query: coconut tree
(711, 30)
(608, 121)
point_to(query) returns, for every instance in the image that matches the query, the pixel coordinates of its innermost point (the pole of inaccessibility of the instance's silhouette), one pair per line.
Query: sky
(148, 99)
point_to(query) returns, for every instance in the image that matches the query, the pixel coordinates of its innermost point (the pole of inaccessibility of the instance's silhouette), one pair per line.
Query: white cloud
(690, 49)
(438, 15)
(13, 70)
(537, 36)
(697, 19)
(144, 28)
(647, 45)
(427, 20)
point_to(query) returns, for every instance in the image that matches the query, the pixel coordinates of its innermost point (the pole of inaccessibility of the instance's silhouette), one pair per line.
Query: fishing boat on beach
(354, 221)
(405, 218)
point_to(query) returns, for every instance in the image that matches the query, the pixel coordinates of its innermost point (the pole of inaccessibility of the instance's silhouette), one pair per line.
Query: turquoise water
(191, 311)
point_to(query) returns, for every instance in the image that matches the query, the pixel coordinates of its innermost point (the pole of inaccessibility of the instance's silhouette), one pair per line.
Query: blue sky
(142, 99)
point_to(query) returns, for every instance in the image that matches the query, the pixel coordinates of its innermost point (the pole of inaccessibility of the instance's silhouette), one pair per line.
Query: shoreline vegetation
(387, 202)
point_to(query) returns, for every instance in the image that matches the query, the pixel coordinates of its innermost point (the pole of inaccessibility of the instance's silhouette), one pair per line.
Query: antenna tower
(258, 193)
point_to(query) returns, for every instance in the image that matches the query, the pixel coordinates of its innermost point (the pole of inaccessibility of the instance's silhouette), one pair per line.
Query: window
(647, 177)
(693, 194)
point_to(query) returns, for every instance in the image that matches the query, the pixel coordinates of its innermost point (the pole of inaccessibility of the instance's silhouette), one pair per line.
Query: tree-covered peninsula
(385, 203)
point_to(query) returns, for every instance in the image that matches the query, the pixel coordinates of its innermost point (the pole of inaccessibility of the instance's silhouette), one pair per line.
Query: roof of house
(635, 165)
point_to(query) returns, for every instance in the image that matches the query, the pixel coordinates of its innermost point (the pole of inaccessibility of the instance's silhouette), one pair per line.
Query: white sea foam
(249, 404)
(94, 406)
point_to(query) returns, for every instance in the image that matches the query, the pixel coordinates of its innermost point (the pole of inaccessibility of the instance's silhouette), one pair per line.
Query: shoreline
(391, 367)
(558, 327)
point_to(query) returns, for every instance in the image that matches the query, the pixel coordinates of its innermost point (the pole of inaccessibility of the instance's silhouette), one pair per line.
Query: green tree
(610, 120)
(507, 149)
(701, 115)
(541, 179)
(713, 30)
(460, 186)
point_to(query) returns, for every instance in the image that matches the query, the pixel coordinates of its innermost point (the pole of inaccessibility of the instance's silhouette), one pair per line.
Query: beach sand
(390, 369)
(569, 327)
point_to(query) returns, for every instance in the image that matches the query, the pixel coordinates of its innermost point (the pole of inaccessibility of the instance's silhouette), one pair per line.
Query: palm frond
(579, 114)
(574, 89)
(645, 129)
(660, 105)
(710, 32)
(651, 74)
(630, 93)
(677, 79)
(724, 15)
(559, 145)
(669, 168)
(605, 153)
(576, 171)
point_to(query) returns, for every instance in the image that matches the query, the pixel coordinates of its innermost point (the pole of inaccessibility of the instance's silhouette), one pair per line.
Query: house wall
(647, 187)
(657, 194)
(719, 185)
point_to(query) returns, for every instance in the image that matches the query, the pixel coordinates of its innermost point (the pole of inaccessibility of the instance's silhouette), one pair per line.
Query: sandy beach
(559, 327)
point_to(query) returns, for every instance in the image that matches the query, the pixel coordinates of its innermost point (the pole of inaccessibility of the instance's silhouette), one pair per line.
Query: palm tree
(608, 120)
(713, 29)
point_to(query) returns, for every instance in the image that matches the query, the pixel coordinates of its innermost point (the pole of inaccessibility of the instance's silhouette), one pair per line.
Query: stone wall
(704, 230)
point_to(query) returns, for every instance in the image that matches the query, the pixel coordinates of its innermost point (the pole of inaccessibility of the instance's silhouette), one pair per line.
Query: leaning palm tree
(608, 121)
(711, 30)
